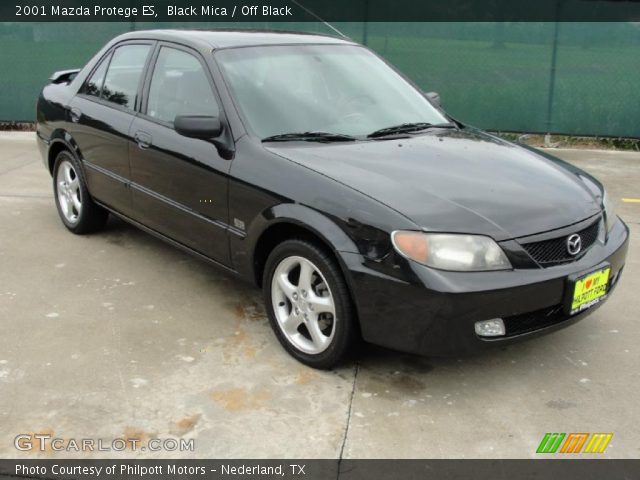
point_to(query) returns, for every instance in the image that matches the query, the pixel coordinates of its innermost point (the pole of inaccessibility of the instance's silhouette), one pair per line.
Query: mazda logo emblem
(574, 244)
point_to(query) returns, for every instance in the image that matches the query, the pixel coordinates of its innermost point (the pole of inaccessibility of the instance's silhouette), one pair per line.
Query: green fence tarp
(572, 78)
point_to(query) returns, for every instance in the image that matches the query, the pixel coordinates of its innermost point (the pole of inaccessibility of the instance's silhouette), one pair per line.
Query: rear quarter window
(93, 86)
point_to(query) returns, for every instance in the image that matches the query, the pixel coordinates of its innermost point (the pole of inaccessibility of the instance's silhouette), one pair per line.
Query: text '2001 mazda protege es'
(307, 164)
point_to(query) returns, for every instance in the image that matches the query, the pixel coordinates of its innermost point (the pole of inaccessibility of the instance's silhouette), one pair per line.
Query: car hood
(459, 181)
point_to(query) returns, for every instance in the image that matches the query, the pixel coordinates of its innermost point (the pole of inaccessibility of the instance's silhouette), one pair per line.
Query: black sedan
(308, 165)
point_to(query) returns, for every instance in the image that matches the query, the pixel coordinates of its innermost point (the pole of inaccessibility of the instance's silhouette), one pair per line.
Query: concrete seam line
(346, 428)
(17, 167)
(21, 154)
(2, 195)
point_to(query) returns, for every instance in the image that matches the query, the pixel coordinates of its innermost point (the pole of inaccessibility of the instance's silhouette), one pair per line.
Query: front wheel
(308, 304)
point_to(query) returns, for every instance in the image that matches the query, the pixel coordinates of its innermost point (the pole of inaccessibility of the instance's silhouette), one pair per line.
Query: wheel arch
(295, 221)
(61, 140)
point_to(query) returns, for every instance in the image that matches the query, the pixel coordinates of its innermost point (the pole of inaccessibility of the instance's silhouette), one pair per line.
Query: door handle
(75, 114)
(143, 139)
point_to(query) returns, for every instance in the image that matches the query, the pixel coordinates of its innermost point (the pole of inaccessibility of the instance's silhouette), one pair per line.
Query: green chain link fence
(568, 78)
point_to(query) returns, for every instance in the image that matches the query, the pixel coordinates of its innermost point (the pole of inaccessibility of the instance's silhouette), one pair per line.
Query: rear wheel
(308, 304)
(79, 213)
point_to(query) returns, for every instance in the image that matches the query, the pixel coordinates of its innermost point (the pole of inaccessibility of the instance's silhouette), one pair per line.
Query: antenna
(323, 21)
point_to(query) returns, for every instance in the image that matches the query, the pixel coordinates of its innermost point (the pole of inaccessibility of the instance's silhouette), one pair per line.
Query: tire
(78, 212)
(313, 319)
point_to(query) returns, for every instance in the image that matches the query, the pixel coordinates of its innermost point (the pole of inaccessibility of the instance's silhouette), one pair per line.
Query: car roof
(221, 38)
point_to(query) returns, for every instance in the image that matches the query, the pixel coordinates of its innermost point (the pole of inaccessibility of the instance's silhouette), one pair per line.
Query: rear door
(100, 119)
(179, 184)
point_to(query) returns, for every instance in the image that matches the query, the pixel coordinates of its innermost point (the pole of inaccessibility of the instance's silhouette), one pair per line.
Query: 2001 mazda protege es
(308, 165)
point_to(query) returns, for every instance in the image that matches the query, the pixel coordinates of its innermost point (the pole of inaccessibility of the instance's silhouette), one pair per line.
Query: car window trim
(136, 107)
(149, 75)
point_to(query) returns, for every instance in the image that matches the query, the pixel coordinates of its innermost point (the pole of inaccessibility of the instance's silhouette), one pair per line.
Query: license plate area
(587, 290)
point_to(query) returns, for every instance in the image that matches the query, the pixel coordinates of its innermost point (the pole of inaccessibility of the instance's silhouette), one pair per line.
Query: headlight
(609, 212)
(451, 252)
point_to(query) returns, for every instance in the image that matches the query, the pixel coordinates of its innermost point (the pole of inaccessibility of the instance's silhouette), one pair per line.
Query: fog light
(490, 328)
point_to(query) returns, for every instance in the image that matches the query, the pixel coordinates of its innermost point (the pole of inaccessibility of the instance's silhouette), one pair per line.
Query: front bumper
(433, 312)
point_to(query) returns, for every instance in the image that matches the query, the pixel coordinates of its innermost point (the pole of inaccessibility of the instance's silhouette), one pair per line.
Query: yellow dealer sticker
(589, 290)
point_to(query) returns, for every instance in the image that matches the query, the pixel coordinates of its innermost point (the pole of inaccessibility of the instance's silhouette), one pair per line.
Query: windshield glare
(340, 89)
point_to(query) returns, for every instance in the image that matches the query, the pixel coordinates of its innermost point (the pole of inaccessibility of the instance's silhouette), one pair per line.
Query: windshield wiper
(408, 128)
(310, 137)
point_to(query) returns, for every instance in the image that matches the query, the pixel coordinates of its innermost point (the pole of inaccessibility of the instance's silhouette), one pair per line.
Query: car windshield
(337, 89)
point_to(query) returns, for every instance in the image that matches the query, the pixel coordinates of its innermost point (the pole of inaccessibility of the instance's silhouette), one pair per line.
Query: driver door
(179, 184)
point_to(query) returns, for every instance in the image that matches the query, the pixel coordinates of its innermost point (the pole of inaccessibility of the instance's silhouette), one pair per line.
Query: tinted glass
(328, 88)
(179, 86)
(123, 76)
(93, 86)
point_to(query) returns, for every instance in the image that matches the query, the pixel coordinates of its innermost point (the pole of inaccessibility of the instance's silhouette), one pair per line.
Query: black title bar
(566, 469)
(320, 10)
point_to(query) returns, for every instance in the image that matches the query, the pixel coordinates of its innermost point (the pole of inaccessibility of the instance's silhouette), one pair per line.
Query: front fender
(318, 224)
(306, 217)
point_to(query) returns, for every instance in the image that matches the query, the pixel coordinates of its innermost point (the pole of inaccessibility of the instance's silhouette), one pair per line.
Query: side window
(123, 77)
(179, 86)
(93, 86)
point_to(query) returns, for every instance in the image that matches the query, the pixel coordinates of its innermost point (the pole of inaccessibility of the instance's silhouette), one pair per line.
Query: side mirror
(198, 126)
(434, 97)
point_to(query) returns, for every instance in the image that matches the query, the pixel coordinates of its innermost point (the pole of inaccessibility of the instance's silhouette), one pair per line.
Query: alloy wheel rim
(68, 190)
(303, 305)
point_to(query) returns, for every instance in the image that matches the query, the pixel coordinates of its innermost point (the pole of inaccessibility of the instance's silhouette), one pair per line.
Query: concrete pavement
(118, 335)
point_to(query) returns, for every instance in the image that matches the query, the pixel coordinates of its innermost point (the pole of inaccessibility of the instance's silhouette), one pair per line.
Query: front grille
(528, 322)
(554, 251)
